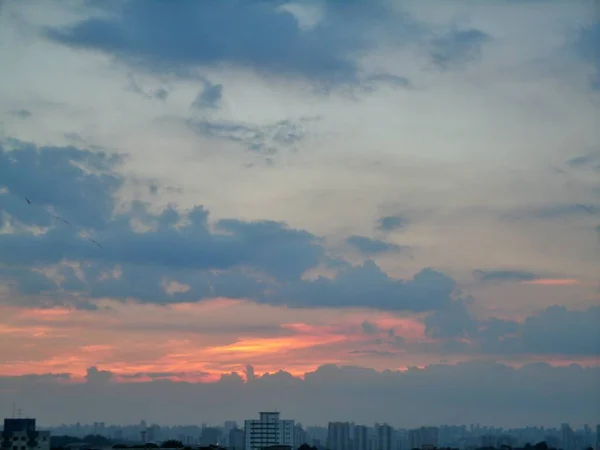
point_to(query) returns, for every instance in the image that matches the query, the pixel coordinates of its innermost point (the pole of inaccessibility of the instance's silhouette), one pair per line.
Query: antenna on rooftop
(13, 410)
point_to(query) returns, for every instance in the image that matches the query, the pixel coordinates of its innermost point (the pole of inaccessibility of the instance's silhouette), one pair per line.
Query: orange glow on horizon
(552, 282)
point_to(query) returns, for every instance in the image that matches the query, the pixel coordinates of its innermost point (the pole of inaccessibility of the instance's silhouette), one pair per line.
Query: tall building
(567, 437)
(338, 436)
(267, 431)
(299, 435)
(385, 437)
(21, 434)
(423, 438)
(236, 439)
(361, 438)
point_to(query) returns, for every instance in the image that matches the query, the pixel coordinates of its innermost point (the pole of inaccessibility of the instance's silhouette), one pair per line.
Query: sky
(344, 210)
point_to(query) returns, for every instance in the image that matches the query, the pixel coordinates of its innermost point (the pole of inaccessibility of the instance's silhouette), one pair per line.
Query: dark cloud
(454, 321)
(76, 184)
(134, 86)
(587, 46)
(262, 139)
(368, 286)
(369, 328)
(21, 114)
(95, 376)
(209, 97)
(368, 246)
(504, 275)
(260, 260)
(475, 392)
(390, 223)
(263, 36)
(590, 160)
(256, 34)
(553, 331)
(458, 47)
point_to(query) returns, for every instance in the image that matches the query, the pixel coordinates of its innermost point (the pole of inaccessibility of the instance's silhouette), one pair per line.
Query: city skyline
(270, 429)
(339, 209)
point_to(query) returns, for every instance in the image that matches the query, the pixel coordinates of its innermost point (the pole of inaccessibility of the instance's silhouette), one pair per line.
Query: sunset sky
(327, 201)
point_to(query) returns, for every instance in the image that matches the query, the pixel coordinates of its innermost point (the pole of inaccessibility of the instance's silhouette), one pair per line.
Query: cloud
(368, 286)
(368, 246)
(369, 328)
(67, 181)
(263, 139)
(464, 391)
(391, 223)
(587, 45)
(159, 93)
(95, 376)
(591, 160)
(21, 114)
(209, 97)
(504, 275)
(552, 331)
(212, 32)
(260, 260)
(458, 47)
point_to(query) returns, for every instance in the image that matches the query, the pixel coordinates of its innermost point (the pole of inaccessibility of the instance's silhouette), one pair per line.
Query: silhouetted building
(423, 438)
(361, 437)
(385, 437)
(21, 434)
(236, 439)
(338, 436)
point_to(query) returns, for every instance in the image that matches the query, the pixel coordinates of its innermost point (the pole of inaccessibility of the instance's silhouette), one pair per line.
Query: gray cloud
(369, 328)
(536, 394)
(368, 246)
(458, 47)
(591, 160)
(261, 260)
(208, 33)
(553, 331)
(21, 114)
(390, 223)
(265, 139)
(77, 184)
(504, 275)
(209, 97)
(556, 211)
(587, 46)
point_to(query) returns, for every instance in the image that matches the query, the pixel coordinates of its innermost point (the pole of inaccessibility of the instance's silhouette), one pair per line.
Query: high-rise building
(567, 437)
(236, 439)
(361, 438)
(299, 435)
(423, 438)
(267, 431)
(21, 434)
(385, 437)
(338, 436)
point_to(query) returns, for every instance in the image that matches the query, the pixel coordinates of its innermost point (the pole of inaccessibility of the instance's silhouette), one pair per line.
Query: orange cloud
(552, 282)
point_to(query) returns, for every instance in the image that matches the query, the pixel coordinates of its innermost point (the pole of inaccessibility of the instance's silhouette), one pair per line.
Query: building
(21, 434)
(361, 437)
(423, 438)
(267, 431)
(385, 437)
(236, 439)
(567, 437)
(338, 436)
(299, 435)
